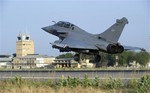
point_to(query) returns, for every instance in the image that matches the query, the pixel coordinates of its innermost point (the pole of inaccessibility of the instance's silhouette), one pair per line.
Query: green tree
(129, 56)
(67, 55)
(126, 57)
(142, 57)
(111, 59)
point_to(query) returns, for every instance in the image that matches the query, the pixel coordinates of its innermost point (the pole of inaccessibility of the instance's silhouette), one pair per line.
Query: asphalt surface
(55, 74)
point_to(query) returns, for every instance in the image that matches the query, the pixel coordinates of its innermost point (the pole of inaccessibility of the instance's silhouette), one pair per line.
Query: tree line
(127, 57)
(123, 59)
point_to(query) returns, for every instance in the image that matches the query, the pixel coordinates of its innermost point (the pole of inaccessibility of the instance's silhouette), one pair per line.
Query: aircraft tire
(76, 57)
(97, 58)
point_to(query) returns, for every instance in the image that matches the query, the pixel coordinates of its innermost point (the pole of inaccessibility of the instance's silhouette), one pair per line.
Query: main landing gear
(97, 58)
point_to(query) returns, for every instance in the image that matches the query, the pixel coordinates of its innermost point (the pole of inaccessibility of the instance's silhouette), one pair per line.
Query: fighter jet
(73, 38)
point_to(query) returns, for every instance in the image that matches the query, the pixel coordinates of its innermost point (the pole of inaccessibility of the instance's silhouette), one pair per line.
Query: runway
(57, 74)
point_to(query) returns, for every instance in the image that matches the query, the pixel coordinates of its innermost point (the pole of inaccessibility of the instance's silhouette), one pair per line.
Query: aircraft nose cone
(50, 30)
(46, 28)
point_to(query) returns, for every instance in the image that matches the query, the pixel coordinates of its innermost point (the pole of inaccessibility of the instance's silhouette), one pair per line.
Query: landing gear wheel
(76, 57)
(97, 58)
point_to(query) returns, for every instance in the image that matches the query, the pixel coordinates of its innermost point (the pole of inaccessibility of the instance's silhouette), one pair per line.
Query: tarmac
(57, 74)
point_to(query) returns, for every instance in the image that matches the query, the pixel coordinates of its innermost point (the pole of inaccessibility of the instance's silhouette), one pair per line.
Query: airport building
(5, 61)
(25, 57)
(71, 63)
(32, 61)
(65, 63)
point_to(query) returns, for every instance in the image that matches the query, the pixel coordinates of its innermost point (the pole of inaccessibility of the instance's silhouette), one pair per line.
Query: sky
(94, 16)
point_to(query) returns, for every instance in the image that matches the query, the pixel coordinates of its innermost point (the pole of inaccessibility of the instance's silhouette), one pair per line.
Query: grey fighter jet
(73, 38)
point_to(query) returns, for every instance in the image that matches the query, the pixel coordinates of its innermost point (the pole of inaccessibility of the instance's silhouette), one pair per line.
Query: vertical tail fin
(113, 33)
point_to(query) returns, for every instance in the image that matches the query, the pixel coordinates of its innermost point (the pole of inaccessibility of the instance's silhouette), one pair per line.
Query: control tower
(24, 45)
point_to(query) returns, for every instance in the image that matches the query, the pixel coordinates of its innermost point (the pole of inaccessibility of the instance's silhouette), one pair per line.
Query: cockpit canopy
(64, 24)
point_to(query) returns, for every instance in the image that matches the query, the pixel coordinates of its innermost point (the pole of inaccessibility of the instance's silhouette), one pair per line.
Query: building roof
(5, 59)
(4, 56)
(65, 59)
(35, 56)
